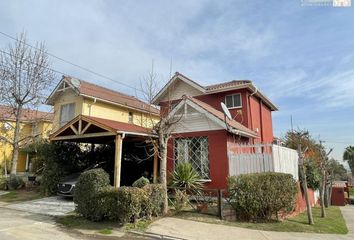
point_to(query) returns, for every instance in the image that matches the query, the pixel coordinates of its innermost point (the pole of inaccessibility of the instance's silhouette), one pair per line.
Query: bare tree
(302, 173)
(24, 77)
(324, 167)
(163, 128)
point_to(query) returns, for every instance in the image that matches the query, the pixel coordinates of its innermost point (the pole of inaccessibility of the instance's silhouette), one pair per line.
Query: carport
(87, 129)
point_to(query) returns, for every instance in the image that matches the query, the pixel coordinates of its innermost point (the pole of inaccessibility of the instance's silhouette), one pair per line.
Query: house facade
(203, 135)
(87, 113)
(33, 125)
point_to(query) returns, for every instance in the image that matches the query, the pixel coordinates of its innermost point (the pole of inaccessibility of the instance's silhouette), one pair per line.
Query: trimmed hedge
(141, 182)
(97, 201)
(88, 202)
(260, 196)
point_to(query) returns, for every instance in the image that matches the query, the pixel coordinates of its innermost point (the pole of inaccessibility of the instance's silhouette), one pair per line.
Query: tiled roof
(121, 126)
(96, 91)
(220, 115)
(227, 84)
(8, 113)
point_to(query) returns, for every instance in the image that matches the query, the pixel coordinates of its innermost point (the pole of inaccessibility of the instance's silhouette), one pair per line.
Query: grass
(351, 192)
(334, 222)
(20, 196)
(74, 221)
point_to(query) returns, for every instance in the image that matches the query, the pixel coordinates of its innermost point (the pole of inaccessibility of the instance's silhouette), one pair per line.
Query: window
(67, 112)
(131, 116)
(195, 151)
(233, 101)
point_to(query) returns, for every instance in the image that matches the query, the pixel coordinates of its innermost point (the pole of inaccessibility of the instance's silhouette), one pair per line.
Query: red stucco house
(201, 136)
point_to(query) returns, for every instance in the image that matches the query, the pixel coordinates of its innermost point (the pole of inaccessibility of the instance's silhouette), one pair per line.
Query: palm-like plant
(184, 176)
(349, 156)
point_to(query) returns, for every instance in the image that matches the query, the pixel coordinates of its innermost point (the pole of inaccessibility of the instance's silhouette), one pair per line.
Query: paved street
(185, 229)
(21, 225)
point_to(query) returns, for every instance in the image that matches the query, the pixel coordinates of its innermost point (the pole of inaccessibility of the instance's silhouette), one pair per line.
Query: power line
(73, 64)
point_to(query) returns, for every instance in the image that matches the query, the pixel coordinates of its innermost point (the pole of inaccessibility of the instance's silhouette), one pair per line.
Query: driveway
(52, 206)
(186, 229)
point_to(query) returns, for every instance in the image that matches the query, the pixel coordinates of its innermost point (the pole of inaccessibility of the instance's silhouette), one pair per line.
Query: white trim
(210, 116)
(137, 134)
(173, 79)
(233, 100)
(49, 98)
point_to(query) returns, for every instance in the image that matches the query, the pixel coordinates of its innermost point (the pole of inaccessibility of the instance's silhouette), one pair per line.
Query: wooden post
(117, 160)
(156, 163)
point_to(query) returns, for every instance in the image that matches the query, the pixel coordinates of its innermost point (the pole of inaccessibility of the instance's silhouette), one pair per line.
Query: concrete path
(186, 229)
(52, 206)
(19, 225)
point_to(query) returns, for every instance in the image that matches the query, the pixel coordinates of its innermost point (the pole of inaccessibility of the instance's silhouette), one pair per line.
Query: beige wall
(69, 96)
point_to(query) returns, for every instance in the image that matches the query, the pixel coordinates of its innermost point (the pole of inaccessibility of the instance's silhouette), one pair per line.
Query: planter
(202, 207)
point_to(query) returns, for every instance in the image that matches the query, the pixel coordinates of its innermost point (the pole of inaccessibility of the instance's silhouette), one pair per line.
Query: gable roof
(219, 117)
(28, 115)
(91, 90)
(110, 127)
(215, 88)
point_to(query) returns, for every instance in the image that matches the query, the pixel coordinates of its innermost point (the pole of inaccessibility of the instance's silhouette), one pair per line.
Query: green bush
(87, 194)
(155, 199)
(141, 182)
(313, 175)
(125, 204)
(3, 183)
(181, 200)
(15, 182)
(260, 196)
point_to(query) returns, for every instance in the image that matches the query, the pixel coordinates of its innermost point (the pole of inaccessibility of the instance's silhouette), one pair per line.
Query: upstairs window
(131, 116)
(195, 151)
(67, 112)
(233, 101)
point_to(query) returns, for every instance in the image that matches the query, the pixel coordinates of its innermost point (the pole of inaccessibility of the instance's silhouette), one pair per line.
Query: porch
(129, 141)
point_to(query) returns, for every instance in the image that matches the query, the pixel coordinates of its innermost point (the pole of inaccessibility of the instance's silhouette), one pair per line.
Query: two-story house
(33, 124)
(87, 113)
(203, 133)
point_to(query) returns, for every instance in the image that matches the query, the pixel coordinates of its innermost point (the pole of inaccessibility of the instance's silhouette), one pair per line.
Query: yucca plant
(184, 176)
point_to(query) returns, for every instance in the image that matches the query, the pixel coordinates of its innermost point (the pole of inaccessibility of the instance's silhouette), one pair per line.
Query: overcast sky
(300, 56)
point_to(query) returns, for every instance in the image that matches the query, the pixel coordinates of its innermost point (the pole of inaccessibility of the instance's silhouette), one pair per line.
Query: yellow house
(88, 113)
(73, 97)
(33, 124)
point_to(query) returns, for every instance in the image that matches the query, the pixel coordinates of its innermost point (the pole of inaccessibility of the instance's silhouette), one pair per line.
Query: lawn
(75, 222)
(351, 192)
(20, 196)
(333, 223)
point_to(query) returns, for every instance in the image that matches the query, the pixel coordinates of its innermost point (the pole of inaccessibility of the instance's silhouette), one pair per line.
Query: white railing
(255, 158)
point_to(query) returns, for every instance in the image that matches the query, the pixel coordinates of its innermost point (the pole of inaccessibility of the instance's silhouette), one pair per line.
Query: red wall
(215, 99)
(218, 161)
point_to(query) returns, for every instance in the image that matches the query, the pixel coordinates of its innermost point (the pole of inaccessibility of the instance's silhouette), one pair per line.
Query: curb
(156, 236)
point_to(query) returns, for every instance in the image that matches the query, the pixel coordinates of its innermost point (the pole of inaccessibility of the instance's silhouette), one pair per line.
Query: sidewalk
(186, 229)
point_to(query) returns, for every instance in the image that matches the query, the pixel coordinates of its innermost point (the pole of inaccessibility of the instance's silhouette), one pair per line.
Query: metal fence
(254, 158)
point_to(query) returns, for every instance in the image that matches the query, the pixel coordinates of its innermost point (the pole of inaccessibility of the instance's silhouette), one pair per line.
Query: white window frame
(186, 157)
(233, 95)
(61, 121)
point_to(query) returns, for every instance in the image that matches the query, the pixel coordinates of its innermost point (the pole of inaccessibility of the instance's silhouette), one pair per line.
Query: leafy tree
(348, 156)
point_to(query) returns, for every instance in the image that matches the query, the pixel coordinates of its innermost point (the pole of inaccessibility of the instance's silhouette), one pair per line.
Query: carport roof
(87, 127)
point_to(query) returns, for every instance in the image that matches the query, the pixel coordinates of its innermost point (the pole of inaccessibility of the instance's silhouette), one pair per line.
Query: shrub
(259, 196)
(141, 182)
(181, 200)
(313, 175)
(15, 182)
(185, 176)
(155, 200)
(3, 183)
(87, 194)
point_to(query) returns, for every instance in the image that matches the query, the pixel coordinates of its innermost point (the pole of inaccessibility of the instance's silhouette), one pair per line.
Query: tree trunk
(163, 170)
(15, 145)
(322, 190)
(304, 188)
